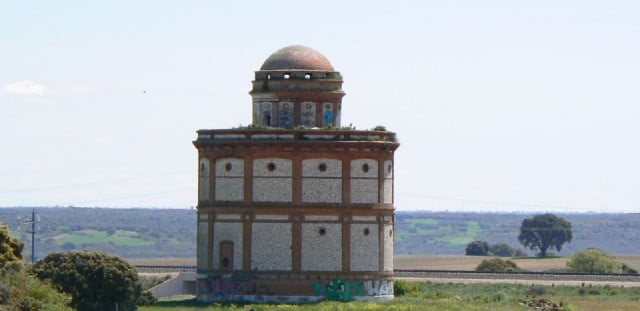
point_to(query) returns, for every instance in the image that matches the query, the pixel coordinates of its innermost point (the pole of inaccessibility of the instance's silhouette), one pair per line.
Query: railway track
(462, 275)
(520, 275)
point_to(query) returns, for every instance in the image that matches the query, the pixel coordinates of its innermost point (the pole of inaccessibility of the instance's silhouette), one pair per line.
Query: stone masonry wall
(272, 180)
(227, 231)
(321, 181)
(321, 247)
(365, 250)
(271, 246)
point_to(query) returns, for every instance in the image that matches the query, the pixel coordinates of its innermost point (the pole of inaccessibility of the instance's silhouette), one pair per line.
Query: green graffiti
(339, 290)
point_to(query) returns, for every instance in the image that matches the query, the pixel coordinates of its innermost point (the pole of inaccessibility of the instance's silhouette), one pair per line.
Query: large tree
(94, 280)
(10, 248)
(545, 231)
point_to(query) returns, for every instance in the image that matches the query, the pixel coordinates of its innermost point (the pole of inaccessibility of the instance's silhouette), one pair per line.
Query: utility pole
(33, 221)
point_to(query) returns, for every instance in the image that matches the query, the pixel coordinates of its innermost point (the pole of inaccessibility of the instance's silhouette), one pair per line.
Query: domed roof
(297, 57)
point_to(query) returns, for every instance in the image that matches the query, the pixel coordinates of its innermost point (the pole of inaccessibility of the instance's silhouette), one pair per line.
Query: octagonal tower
(294, 208)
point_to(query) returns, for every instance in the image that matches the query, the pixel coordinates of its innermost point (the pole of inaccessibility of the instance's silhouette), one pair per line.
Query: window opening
(365, 167)
(322, 167)
(271, 167)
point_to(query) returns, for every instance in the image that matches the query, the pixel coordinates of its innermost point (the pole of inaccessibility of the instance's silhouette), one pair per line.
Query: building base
(288, 289)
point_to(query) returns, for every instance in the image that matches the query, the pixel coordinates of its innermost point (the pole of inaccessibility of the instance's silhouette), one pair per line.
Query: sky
(521, 106)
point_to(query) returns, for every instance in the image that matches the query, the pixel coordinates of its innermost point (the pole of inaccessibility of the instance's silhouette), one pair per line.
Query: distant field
(119, 238)
(428, 262)
(459, 262)
(170, 261)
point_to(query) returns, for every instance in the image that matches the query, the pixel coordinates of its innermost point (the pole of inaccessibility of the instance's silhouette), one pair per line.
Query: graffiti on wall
(224, 288)
(379, 287)
(343, 290)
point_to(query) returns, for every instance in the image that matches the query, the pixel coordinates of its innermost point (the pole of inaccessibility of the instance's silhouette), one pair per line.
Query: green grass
(119, 238)
(429, 228)
(451, 296)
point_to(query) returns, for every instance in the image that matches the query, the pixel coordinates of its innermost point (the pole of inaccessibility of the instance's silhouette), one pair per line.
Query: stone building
(295, 207)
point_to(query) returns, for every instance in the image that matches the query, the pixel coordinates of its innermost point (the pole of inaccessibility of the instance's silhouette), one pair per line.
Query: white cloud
(24, 87)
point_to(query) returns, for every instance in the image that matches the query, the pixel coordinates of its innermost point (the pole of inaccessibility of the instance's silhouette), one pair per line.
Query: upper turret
(297, 86)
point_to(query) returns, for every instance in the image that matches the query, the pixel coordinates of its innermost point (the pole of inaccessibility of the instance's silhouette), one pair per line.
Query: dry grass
(461, 262)
(431, 262)
(169, 261)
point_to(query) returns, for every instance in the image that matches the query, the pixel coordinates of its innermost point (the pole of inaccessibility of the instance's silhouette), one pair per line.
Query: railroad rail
(517, 275)
(456, 274)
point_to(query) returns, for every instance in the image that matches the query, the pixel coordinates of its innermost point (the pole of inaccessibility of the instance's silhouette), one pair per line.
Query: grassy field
(431, 262)
(119, 237)
(459, 262)
(431, 296)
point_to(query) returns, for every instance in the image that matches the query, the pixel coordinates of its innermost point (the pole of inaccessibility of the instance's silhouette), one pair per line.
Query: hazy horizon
(498, 105)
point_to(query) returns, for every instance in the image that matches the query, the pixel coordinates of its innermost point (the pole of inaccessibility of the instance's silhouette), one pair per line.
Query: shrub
(380, 128)
(594, 260)
(506, 250)
(20, 290)
(536, 291)
(402, 287)
(497, 265)
(10, 248)
(477, 248)
(94, 280)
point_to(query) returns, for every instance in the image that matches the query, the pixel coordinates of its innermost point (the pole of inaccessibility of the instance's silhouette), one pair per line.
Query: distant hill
(152, 233)
(449, 233)
(130, 233)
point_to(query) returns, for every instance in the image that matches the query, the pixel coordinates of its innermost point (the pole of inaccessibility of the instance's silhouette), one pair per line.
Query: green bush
(94, 280)
(10, 248)
(477, 248)
(497, 265)
(20, 291)
(594, 260)
(402, 287)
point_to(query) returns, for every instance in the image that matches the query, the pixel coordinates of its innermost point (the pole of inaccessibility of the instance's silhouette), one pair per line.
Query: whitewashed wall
(365, 250)
(271, 246)
(203, 180)
(229, 179)
(227, 231)
(388, 182)
(321, 252)
(272, 180)
(322, 185)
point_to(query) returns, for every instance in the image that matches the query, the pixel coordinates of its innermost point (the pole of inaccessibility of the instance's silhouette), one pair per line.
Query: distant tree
(94, 280)
(544, 231)
(10, 248)
(497, 265)
(477, 248)
(505, 250)
(502, 250)
(594, 260)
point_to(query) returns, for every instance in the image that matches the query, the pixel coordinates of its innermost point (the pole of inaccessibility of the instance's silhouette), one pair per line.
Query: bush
(94, 280)
(477, 248)
(506, 250)
(20, 290)
(594, 260)
(10, 248)
(402, 287)
(497, 265)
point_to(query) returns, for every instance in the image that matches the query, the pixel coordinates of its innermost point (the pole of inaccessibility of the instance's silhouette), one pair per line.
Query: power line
(486, 202)
(77, 185)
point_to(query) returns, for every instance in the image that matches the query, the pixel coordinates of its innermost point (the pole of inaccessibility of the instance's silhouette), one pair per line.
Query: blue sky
(498, 105)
